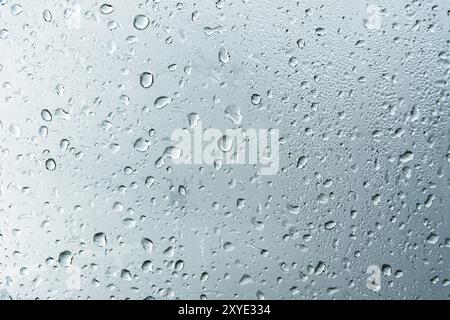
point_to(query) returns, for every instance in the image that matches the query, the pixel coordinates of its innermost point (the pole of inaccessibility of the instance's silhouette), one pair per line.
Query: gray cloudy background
(358, 89)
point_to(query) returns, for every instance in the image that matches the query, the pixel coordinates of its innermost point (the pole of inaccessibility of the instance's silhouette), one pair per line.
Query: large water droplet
(224, 55)
(106, 8)
(47, 15)
(46, 115)
(162, 102)
(65, 258)
(147, 244)
(146, 80)
(141, 145)
(141, 22)
(147, 266)
(100, 239)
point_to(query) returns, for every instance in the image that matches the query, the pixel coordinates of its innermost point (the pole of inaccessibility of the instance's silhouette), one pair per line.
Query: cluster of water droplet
(93, 204)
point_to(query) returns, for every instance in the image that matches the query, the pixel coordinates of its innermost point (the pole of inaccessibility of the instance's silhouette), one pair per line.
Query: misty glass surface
(93, 204)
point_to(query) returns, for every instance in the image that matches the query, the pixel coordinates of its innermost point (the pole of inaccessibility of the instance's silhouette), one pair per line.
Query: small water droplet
(43, 131)
(193, 119)
(64, 144)
(15, 130)
(204, 277)
(182, 190)
(4, 34)
(293, 61)
(50, 164)
(47, 15)
(179, 265)
(149, 181)
(256, 99)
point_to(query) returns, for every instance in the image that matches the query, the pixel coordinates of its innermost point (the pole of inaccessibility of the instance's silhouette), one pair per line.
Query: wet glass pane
(224, 149)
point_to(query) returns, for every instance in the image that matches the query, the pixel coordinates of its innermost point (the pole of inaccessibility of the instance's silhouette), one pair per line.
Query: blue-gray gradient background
(358, 89)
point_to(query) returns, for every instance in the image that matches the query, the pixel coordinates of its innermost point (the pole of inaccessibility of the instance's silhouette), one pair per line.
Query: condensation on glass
(94, 204)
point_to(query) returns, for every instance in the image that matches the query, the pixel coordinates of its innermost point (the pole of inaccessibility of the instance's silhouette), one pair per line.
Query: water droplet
(225, 143)
(146, 80)
(15, 130)
(245, 279)
(16, 9)
(147, 266)
(114, 147)
(204, 277)
(65, 258)
(294, 209)
(387, 270)
(182, 190)
(149, 181)
(43, 131)
(141, 22)
(47, 15)
(224, 55)
(320, 31)
(193, 119)
(293, 61)
(260, 295)
(179, 265)
(194, 16)
(141, 145)
(106, 8)
(406, 157)
(147, 244)
(256, 99)
(64, 144)
(330, 225)
(129, 223)
(433, 238)
(46, 115)
(100, 239)
(125, 275)
(50, 164)
(4, 34)
(320, 268)
(301, 162)
(162, 102)
(233, 113)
